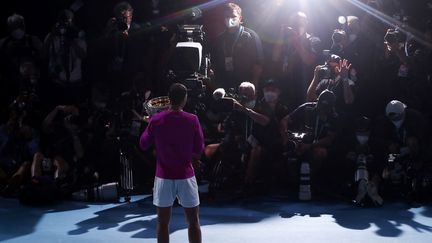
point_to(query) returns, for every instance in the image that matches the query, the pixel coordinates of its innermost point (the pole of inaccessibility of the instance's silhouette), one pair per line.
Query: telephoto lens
(103, 193)
(305, 185)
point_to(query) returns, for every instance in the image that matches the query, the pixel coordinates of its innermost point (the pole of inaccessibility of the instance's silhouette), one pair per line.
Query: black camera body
(325, 72)
(65, 29)
(194, 85)
(226, 103)
(191, 33)
(338, 36)
(190, 61)
(223, 105)
(122, 24)
(393, 36)
(289, 32)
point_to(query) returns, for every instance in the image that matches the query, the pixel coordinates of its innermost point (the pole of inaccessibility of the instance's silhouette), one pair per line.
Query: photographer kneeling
(320, 123)
(61, 149)
(266, 139)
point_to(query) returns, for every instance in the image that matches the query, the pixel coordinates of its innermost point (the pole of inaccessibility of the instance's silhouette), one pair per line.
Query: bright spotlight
(279, 2)
(342, 20)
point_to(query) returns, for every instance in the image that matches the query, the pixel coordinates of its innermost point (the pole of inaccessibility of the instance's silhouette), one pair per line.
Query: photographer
(24, 96)
(406, 66)
(65, 49)
(294, 55)
(237, 126)
(237, 133)
(18, 143)
(52, 166)
(349, 43)
(320, 123)
(18, 44)
(402, 133)
(121, 23)
(267, 134)
(124, 57)
(361, 167)
(337, 76)
(15, 48)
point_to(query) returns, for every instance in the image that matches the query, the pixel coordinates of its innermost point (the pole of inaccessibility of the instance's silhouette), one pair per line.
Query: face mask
(362, 139)
(352, 37)
(270, 96)
(18, 34)
(250, 104)
(231, 22)
(398, 124)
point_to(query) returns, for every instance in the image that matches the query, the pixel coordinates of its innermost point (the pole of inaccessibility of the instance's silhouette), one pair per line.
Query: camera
(393, 36)
(189, 62)
(338, 36)
(122, 24)
(65, 29)
(223, 105)
(188, 58)
(325, 72)
(289, 32)
(24, 102)
(194, 85)
(190, 33)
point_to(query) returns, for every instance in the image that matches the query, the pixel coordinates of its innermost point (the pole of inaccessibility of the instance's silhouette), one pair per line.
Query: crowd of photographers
(347, 120)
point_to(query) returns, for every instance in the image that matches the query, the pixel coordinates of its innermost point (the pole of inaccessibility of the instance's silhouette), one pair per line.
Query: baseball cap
(271, 82)
(395, 107)
(326, 100)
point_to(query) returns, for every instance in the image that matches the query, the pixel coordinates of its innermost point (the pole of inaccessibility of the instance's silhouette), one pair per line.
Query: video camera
(189, 64)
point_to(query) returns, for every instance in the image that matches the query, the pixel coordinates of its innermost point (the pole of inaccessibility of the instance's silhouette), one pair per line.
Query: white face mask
(270, 96)
(18, 34)
(352, 37)
(362, 139)
(398, 124)
(250, 104)
(231, 22)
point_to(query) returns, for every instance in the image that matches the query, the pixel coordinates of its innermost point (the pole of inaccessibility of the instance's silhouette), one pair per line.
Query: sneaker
(372, 191)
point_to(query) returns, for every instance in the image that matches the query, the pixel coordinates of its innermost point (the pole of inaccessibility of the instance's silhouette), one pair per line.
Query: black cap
(362, 124)
(326, 100)
(271, 82)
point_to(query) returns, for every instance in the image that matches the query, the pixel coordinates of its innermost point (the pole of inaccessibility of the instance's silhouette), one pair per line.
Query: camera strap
(317, 131)
(230, 52)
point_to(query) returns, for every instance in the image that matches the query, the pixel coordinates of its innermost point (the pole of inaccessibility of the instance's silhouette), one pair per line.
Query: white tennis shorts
(165, 191)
